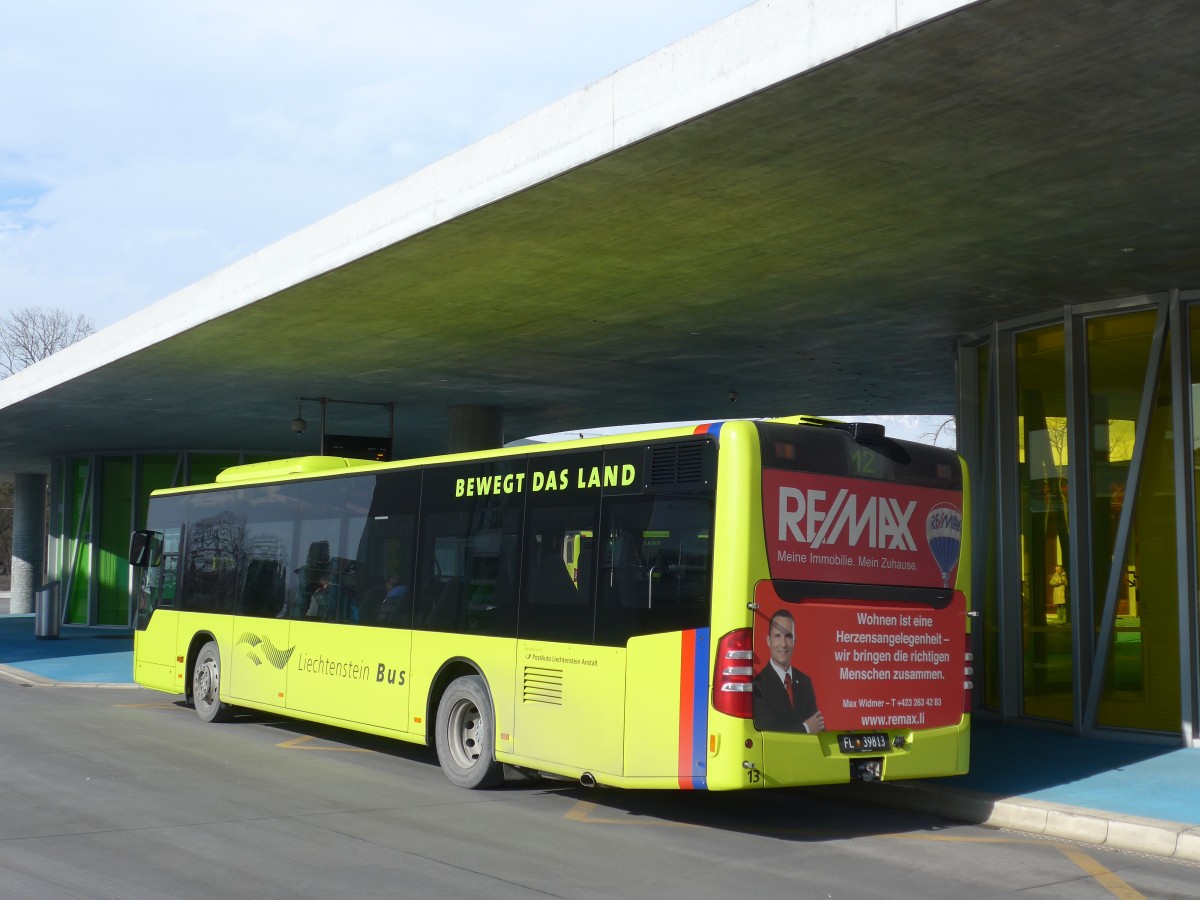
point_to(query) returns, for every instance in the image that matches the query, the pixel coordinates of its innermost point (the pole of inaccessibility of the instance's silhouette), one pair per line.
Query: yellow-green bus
(742, 604)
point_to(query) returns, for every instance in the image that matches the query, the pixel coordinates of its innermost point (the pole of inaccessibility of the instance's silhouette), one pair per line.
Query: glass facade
(96, 502)
(1086, 553)
(1044, 485)
(1141, 676)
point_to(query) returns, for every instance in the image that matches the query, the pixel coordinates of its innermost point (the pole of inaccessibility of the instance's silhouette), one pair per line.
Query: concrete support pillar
(475, 428)
(28, 540)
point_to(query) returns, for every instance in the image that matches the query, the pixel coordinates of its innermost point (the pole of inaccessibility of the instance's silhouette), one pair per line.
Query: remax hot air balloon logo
(943, 531)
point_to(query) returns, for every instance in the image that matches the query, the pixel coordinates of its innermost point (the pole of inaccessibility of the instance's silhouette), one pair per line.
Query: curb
(1171, 840)
(29, 679)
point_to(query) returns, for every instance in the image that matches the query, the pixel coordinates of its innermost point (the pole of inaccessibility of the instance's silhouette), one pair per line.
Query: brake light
(733, 682)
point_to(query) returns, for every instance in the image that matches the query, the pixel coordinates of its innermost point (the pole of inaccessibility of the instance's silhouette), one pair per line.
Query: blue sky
(147, 144)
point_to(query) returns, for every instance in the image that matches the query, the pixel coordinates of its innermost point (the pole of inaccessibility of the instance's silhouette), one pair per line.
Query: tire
(206, 685)
(465, 735)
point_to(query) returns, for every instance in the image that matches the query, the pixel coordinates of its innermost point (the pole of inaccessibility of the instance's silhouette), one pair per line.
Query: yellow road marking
(1105, 877)
(147, 706)
(298, 744)
(582, 812)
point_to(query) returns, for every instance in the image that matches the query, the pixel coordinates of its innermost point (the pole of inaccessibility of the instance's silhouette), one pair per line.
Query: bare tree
(944, 435)
(31, 334)
(27, 336)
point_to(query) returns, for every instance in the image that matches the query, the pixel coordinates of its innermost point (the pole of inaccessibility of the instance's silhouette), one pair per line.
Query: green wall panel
(77, 508)
(116, 517)
(203, 468)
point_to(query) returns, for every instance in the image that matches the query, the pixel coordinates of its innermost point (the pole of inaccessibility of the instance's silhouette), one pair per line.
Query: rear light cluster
(733, 685)
(968, 673)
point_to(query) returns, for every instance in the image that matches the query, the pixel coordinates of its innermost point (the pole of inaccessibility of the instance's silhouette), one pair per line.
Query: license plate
(862, 743)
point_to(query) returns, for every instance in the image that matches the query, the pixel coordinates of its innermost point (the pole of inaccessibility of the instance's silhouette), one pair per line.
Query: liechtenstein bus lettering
(811, 631)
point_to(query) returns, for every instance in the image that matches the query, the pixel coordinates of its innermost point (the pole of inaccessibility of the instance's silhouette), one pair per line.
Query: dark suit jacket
(772, 711)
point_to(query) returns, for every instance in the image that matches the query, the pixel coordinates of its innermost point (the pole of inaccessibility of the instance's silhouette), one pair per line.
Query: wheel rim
(465, 732)
(206, 685)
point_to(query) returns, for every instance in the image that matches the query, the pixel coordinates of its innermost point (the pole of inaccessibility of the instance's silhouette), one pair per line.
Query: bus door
(262, 631)
(156, 636)
(655, 598)
(570, 692)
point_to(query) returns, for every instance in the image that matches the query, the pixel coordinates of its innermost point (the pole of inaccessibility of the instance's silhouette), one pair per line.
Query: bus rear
(847, 654)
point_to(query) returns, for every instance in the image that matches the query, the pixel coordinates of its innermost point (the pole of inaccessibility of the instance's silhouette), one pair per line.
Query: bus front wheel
(206, 685)
(465, 735)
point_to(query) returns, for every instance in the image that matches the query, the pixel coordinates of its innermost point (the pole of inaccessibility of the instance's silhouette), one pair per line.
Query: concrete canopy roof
(806, 203)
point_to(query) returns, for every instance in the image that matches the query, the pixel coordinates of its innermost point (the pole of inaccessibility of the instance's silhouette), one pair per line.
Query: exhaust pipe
(587, 780)
(866, 770)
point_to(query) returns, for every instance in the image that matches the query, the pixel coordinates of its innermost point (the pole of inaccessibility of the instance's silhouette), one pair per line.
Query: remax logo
(882, 522)
(943, 532)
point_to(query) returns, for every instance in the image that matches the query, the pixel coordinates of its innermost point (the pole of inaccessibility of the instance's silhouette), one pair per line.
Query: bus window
(469, 528)
(169, 570)
(158, 583)
(386, 549)
(557, 595)
(558, 571)
(655, 566)
(210, 569)
(263, 584)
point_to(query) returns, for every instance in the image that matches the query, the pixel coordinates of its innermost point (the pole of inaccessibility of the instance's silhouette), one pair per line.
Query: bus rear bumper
(797, 759)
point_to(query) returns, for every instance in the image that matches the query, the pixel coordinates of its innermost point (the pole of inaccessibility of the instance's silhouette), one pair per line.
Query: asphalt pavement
(1123, 795)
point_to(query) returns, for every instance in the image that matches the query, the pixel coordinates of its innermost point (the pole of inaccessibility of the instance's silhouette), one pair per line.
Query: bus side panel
(255, 668)
(739, 551)
(570, 703)
(195, 628)
(739, 558)
(154, 653)
(667, 706)
(353, 674)
(431, 650)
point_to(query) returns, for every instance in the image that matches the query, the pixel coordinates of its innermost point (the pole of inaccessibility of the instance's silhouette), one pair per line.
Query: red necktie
(787, 683)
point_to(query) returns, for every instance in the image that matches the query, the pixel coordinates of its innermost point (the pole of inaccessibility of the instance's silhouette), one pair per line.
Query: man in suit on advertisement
(784, 699)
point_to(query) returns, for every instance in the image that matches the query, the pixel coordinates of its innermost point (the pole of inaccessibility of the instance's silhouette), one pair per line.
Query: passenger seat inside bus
(551, 584)
(625, 572)
(446, 613)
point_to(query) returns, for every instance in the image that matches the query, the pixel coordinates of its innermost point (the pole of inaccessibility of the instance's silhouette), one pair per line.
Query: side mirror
(145, 549)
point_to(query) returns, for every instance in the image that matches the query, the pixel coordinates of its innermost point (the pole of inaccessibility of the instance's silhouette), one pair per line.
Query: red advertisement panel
(856, 666)
(823, 528)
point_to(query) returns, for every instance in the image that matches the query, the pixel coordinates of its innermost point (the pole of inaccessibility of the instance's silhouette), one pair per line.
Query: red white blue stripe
(693, 710)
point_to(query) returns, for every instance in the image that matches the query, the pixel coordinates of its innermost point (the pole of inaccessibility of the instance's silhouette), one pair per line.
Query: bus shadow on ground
(1000, 769)
(805, 815)
(333, 738)
(791, 814)
(814, 814)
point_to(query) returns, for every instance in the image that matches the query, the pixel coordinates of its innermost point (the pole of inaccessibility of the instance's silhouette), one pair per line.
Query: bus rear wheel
(206, 685)
(465, 735)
